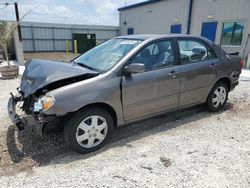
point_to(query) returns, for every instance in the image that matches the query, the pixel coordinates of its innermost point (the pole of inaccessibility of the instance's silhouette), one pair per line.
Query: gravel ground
(191, 148)
(58, 56)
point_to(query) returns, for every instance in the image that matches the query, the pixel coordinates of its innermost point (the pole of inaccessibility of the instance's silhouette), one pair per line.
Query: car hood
(41, 73)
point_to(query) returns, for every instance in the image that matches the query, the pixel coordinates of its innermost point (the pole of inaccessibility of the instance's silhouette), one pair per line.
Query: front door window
(156, 55)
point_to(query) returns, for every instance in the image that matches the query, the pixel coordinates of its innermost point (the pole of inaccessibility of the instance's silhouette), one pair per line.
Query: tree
(6, 33)
(5, 38)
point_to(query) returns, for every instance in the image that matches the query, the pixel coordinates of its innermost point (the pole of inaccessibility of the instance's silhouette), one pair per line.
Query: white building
(226, 22)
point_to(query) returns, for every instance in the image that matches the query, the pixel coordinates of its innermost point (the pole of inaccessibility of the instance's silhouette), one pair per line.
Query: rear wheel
(217, 98)
(89, 130)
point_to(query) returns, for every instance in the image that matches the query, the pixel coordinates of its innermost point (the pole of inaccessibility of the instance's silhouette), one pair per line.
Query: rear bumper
(234, 78)
(233, 85)
(21, 122)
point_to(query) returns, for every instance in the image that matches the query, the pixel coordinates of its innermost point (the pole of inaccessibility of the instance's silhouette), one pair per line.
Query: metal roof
(138, 4)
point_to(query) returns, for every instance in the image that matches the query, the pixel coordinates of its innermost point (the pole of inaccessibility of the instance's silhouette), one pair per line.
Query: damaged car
(123, 80)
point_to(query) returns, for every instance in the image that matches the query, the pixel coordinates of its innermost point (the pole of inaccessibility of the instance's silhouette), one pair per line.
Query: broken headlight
(44, 103)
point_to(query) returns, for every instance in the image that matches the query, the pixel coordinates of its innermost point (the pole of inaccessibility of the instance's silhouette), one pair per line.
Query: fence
(47, 37)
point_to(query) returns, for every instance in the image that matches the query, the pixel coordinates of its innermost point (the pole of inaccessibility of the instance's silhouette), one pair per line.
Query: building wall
(222, 11)
(159, 16)
(155, 18)
(41, 37)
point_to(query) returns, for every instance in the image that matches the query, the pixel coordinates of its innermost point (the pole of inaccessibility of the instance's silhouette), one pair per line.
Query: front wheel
(217, 98)
(89, 130)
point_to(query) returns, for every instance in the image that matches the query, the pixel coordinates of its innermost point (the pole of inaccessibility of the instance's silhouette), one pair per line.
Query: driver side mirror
(134, 68)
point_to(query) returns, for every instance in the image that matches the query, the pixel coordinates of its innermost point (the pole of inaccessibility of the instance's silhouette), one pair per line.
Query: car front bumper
(35, 122)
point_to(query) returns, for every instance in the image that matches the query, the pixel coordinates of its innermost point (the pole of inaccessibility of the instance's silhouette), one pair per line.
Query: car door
(198, 70)
(155, 90)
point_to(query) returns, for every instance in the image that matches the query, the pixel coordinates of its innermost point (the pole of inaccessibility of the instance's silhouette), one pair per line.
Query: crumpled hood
(40, 73)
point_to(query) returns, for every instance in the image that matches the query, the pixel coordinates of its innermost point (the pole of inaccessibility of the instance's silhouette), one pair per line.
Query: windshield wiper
(86, 66)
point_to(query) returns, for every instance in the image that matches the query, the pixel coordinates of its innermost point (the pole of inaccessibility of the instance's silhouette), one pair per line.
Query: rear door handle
(172, 74)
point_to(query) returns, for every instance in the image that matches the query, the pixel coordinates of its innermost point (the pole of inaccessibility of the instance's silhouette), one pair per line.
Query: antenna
(125, 3)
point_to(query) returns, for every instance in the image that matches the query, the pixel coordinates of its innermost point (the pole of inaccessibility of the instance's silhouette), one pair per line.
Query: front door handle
(172, 74)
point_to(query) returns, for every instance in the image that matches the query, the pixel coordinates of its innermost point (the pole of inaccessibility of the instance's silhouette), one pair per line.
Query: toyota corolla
(123, 80)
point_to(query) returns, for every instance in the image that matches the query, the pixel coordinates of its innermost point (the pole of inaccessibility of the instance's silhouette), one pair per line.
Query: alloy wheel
(219, 96)
(91, 131)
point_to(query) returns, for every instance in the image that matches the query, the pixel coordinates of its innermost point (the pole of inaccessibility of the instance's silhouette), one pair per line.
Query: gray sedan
(123, 80)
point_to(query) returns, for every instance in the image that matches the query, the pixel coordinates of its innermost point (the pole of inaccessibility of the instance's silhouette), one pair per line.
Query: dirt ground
(190, 148)
(58, 56)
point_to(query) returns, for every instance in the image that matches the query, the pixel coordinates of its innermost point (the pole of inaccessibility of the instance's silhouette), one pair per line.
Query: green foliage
(5, 33)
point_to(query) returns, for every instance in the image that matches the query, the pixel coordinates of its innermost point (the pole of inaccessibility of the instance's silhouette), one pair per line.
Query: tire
(89, 130)
(217, 97)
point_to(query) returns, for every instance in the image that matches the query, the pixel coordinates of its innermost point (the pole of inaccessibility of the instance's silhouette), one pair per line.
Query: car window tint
(211, 54)
(156, 55)
(192, 51)
(155, 50)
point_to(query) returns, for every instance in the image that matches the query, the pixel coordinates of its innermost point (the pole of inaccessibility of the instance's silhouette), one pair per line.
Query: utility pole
(18, 22)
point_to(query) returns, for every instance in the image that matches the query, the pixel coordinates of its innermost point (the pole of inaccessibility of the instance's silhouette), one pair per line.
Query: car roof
(139, 37)
(159, 36)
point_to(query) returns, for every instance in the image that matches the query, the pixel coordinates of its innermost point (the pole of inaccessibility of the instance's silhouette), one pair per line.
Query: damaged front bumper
(36, 122)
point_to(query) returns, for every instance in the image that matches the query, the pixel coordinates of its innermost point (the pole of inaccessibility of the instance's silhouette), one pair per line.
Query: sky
(94, 12)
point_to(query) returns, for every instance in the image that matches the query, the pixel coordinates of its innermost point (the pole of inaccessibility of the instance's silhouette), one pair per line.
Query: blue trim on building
(208, 30)
(138, 4)
(175, 28)
(189, 16)
(130, 31)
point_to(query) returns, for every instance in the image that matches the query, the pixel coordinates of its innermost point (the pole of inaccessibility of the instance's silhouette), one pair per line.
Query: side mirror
(134, 68)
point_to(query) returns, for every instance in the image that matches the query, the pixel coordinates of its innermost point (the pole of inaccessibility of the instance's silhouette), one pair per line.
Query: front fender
(73, 97)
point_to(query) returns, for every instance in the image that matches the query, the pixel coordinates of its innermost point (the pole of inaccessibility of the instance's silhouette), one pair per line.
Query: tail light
(241, 62)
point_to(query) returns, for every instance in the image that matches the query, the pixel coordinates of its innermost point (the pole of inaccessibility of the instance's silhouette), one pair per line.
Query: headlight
(44, 103)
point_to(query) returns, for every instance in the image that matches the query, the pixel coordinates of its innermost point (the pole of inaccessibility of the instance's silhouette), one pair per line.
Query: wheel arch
(223, 79)
(226, 80)
(103, 106)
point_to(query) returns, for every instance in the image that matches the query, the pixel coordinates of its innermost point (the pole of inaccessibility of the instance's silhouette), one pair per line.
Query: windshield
(107, 54)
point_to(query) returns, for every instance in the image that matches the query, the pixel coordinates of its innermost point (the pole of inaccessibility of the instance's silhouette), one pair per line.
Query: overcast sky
(97, 12)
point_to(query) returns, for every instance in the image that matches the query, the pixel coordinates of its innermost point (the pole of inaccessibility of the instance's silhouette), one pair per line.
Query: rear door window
(211, 54)
(192, 51)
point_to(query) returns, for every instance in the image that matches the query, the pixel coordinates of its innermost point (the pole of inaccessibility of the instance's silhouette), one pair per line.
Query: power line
(6, 4)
